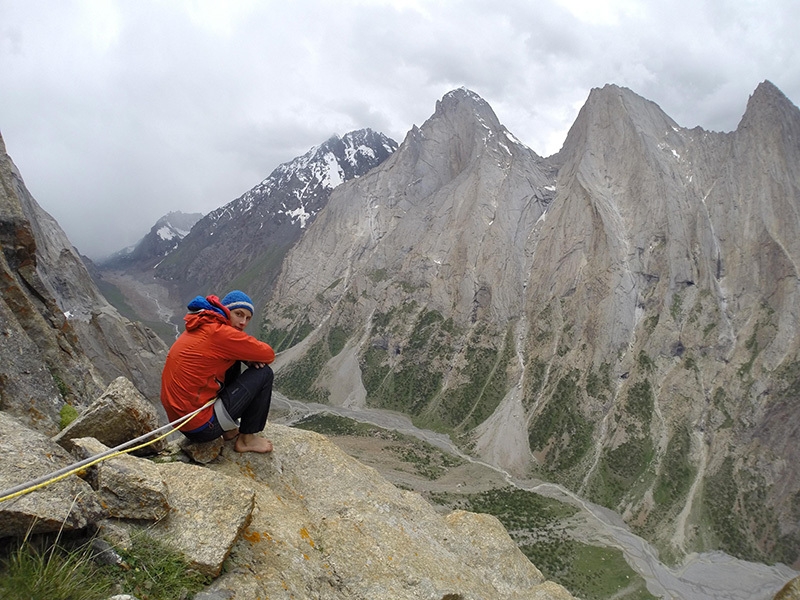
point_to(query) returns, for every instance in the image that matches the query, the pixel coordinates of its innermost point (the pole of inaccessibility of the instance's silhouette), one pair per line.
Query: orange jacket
(196, 363)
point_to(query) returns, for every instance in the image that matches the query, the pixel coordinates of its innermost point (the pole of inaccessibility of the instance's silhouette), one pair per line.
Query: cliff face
(618, 317)
(55, 320)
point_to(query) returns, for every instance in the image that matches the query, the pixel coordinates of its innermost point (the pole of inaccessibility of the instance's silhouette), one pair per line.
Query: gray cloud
(119, 112)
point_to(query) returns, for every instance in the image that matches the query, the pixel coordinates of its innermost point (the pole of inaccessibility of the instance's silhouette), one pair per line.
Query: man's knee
(263, 375)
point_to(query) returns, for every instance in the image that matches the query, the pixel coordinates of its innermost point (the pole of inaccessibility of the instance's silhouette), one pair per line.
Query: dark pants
(246, 396)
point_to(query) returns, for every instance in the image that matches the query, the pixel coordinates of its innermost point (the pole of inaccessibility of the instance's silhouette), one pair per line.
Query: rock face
(109, 418)
(326, 526)
(26, 456)
(242, 244)
(304, 521)
(55, 319)
(619, 317)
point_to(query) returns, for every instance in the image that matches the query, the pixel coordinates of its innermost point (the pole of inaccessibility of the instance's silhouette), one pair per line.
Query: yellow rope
(57, 476)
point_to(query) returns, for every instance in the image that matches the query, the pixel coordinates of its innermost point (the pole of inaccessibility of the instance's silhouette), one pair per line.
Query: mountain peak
(768, 105)
(610, 111)
(465, 123)
(463, 101)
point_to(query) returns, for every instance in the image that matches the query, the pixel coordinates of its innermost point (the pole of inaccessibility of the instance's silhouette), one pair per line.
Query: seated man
(204, 363)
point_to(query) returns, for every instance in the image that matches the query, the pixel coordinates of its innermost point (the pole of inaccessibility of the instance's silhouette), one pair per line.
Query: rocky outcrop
(306, 520)
(27, 455)
(127, 488)
(119, 415)
(618, 317)
(41, 360)
(66, 325)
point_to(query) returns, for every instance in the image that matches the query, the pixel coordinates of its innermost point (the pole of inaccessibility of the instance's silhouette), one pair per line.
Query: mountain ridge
(160, 241)
(566, 302)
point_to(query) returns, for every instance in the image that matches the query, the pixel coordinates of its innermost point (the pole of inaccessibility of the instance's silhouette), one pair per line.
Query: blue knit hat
(237, 299)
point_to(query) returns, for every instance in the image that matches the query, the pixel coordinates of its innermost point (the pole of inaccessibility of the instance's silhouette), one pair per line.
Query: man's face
(240, 317)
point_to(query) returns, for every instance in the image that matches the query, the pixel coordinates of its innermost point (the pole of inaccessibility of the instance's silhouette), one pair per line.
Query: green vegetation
(374, 371)
(297, 381)
(589, 572)
(407, 378)
(676, 307)
(677, 472)
(427, 460)
(619, 469)
(645, 362)
(34, 571)
(116, 298)
(67, 415)
(650, 323)
(721, 502)
(640, 403)
(40, 568)
(623, 467)
(263, 269)
(468, 405)
(752, 345)
(719, 401)
(282, 339)
(561, 428)
(518, 509)
(378, 275)
(597, 383)
(537, 525)
(534, 380)
(337, 338)
(330, 424)
(735, 502)
(63, 388)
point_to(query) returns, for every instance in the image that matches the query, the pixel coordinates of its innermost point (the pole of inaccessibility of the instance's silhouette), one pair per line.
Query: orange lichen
(306, 536)
(252, 536)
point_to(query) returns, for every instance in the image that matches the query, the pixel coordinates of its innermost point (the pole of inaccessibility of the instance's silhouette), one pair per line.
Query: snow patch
(299, 214)
(165, 233)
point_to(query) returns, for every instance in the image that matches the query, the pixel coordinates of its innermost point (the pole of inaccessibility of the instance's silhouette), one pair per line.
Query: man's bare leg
(252, 442)
(229, 435)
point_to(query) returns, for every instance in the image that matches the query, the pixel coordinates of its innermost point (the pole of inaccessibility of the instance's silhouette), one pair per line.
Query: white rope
(126, 447)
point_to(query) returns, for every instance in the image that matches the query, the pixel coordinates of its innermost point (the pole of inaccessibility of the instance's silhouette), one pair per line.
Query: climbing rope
(124, 448)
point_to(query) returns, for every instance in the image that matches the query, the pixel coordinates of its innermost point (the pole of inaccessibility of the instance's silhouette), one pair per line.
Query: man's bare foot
(251, 442)
(229, 435)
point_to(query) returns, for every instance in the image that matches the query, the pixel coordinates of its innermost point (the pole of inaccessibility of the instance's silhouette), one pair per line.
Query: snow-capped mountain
(259, 227)
(160, 241)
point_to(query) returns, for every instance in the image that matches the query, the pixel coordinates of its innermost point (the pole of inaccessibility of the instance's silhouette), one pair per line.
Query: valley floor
(445, 480)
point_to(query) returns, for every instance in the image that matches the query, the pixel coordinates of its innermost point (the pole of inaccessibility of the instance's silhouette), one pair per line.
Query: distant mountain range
(161, 241)
(619, 317)
(242, 244)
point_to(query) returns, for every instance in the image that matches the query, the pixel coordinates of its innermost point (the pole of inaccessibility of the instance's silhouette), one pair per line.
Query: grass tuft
(36, 571)
(40, 568)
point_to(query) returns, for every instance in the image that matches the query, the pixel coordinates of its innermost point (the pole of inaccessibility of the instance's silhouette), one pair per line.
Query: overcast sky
(117, 112)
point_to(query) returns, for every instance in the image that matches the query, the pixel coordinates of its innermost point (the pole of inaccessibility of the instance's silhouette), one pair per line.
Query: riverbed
(703, 576)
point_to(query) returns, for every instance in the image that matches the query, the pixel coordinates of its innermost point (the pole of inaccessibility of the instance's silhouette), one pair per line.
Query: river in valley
(705, 576)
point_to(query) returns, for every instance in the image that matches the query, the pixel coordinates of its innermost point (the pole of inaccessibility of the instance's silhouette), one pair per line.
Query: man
(205, 362)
